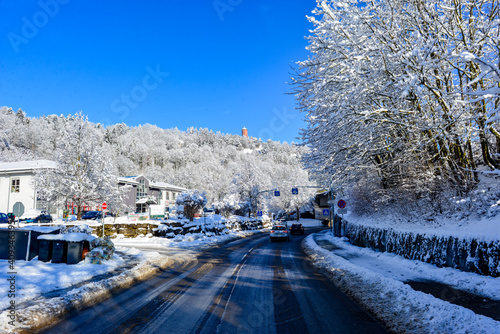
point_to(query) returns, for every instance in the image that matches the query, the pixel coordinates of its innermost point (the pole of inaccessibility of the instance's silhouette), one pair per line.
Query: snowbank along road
(245, 286)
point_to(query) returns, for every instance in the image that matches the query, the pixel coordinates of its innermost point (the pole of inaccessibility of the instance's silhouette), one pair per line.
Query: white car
(279, 232)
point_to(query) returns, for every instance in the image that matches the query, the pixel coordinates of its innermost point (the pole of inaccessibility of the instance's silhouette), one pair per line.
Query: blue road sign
(259, 213)
(295, 191)
(326, 212)
(276, 193)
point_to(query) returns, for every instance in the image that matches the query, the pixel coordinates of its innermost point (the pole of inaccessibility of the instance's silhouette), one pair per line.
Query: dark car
(3, 218)
(92, 215)
(297, 229)
(36, 216)
(12, 217)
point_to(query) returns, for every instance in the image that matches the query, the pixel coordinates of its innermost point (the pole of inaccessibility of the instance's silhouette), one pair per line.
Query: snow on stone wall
(466, 253)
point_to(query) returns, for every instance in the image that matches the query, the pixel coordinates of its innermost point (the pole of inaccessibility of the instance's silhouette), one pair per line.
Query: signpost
(104, 206)
(342, 207)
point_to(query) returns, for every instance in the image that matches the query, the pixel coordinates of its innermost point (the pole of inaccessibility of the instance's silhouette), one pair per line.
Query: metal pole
(103, 215)
(332, 216)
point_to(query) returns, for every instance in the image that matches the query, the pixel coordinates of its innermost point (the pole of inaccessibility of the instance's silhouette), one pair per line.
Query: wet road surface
(251, 285)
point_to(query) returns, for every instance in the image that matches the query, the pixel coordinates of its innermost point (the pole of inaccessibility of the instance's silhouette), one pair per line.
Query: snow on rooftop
(128, 179)
(26, 165)
(164, 185)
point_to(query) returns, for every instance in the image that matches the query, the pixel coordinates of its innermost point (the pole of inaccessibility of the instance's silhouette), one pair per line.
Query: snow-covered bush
(100, 249)
(76, 229)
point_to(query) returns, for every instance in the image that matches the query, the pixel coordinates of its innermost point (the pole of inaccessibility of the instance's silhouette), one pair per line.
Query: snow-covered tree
(85, 174)
(192, 201)
(388, 99)
(227, 206)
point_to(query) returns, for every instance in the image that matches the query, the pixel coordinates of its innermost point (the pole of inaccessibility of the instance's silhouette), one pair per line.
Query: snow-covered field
(376, 281)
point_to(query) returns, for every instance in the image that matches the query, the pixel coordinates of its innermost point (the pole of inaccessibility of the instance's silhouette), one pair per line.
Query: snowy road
(245, 286)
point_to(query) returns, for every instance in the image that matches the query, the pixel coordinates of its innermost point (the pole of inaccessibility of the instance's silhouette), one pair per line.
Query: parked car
(279, 232)
(92, 215)
(12, 217)
(297, 229)
(3, 218)
(36, 216)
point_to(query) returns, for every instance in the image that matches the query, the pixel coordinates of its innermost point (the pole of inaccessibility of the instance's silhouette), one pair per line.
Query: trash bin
(59, 254)
(76, 251)
(37, 231)
(17, 238)
(44, 250)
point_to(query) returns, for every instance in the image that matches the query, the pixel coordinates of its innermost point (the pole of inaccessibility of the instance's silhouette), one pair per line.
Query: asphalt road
(249, 285)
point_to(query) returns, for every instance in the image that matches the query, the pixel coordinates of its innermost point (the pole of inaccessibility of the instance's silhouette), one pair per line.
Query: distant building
(244, 132)
(18, 192)
(321, 206)
(144, 192)
(17, 186)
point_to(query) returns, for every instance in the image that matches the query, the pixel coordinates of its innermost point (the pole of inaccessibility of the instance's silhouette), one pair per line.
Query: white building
(17, 189)
(144, 192)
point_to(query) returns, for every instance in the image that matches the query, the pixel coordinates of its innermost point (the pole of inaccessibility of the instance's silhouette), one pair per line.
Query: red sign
(341, 204)
(104, 206)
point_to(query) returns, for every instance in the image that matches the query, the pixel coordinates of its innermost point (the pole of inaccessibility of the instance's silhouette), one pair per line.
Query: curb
(37, 317)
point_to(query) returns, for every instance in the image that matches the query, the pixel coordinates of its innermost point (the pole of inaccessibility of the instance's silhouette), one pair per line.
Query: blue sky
(220, 64)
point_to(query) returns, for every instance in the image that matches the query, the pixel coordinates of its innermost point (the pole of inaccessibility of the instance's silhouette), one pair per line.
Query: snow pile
(36, 307)
(397, 305)
(404, 270)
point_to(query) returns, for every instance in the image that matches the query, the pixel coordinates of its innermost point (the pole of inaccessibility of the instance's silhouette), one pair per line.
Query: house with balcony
(144, 192)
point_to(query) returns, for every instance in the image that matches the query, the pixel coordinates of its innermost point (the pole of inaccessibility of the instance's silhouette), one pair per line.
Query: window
(15, 183)
(141, 190)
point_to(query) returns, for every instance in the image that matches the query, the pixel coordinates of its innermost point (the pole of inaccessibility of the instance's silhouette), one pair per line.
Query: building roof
(128, 180)
(163, 185)
(20, 166)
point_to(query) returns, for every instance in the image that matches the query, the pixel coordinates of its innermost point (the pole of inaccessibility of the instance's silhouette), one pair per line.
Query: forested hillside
(225, 166)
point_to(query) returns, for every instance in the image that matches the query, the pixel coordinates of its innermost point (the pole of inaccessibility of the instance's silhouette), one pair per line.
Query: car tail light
(272, 231)
(285, 231)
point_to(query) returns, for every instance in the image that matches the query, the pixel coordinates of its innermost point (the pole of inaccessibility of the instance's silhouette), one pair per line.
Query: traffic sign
(295, 191)
(326, 212)
(276, 193)
(259, 213)
(341, 204)
(104, 206)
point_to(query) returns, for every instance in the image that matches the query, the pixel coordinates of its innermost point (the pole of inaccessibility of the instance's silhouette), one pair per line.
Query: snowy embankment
(397, 305)
(48, 291)
(473, 246)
